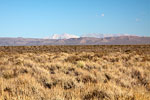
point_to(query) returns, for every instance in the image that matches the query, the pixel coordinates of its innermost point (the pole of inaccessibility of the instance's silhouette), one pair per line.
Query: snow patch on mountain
(64, 36)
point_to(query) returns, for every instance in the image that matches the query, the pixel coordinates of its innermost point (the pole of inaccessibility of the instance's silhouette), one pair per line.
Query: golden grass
(75, 73)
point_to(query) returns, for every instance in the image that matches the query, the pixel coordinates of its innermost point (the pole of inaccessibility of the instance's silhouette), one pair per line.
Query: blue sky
(42, 18)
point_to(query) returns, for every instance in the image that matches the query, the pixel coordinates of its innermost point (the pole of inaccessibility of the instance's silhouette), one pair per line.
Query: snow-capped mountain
(64, 36)
(95, 35)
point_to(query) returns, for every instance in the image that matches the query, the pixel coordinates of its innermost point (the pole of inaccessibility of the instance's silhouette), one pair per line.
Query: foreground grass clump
(75, 73)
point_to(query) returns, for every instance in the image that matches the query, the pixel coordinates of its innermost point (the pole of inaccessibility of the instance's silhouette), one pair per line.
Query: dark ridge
(122, 40)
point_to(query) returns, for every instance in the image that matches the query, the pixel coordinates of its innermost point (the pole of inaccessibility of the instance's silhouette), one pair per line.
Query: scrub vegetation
(120, 72)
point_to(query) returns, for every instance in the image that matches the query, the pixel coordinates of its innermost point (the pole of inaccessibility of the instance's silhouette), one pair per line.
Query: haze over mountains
(67, 39)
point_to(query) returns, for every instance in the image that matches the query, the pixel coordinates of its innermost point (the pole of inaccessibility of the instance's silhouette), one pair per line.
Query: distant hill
(120, 40)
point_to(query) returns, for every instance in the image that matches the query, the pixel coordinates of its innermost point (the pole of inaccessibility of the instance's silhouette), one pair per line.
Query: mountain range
(118, 40)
